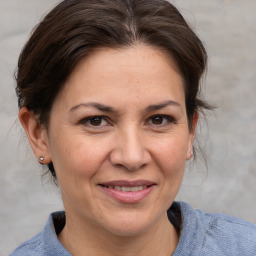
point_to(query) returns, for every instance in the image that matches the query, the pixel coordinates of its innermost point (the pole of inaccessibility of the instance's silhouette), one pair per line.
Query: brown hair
(74, 28)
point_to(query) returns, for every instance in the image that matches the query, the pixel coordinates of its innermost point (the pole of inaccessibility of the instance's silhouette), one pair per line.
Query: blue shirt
(202, 234)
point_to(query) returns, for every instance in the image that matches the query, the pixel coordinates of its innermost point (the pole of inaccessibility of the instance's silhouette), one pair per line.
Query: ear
(192, 137)
(37, 135)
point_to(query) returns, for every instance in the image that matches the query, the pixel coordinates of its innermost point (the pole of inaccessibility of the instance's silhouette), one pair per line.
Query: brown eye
(160, 120)
(95, 121)
(157, 120)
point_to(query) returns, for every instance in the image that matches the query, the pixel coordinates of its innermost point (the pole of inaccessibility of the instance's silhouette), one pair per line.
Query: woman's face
(119, 139)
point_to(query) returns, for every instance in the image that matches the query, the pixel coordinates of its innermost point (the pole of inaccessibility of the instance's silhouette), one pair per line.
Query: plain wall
(228, 30)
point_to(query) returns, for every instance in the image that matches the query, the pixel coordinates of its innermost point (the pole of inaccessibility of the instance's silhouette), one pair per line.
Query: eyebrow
(96, 105)
(163, 105)
(109, 109)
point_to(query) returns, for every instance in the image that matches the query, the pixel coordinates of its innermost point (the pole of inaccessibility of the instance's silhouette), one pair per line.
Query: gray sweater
(201, 234)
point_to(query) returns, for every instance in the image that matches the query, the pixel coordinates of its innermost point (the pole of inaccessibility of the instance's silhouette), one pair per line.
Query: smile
(127, 189)
(128, 192)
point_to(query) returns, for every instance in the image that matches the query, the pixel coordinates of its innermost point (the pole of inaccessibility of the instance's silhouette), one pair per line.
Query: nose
(129, 150)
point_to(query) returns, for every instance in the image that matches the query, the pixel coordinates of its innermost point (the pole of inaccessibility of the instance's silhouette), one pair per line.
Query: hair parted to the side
(75, 28)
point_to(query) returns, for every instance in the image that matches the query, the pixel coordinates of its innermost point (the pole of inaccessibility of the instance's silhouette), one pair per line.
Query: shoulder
(32, 247)
(216, 234)
(45, 243)
(230, 234)
(227, 226)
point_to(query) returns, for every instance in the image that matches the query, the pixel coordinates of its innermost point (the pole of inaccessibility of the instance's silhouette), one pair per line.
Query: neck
(160, 239)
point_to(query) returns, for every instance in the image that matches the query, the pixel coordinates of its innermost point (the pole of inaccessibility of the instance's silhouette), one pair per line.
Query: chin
(128, 230)
(130, 225)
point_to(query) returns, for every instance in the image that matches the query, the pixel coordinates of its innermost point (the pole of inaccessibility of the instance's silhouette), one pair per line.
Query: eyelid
(84, 121)
(170, 119)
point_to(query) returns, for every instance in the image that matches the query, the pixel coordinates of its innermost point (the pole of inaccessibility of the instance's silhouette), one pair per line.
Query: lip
(126, 183)
(129, 197)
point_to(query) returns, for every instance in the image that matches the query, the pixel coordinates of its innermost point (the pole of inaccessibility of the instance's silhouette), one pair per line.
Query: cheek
(171, 154)
(171, 160)
(76, 156)
(170, 157)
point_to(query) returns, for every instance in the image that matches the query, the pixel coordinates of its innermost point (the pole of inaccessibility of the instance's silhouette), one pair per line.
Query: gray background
(228, 29)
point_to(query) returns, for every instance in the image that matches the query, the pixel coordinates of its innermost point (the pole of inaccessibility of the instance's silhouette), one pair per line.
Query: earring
(41, 158)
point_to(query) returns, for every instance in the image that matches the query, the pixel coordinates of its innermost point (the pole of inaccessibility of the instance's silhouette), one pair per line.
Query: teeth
(128, 189)
(138, 188)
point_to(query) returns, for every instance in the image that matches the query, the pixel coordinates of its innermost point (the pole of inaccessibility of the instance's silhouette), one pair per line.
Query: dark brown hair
(75, 28)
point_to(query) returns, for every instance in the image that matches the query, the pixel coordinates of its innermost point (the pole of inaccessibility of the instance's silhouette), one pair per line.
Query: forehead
(136, 71)
(109, 59)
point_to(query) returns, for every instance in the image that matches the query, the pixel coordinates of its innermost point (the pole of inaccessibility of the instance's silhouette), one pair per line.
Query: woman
(108, 97)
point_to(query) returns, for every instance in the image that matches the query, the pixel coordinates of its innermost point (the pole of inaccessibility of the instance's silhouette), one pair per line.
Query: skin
(129, 143)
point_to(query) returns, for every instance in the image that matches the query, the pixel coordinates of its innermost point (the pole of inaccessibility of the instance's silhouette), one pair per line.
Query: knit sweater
(202, 234)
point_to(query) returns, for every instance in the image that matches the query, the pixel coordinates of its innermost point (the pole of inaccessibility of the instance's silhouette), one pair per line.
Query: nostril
(129, 154)
(120, 166)
(130, 167)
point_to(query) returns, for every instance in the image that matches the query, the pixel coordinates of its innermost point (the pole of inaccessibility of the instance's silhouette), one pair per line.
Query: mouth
(127, 186)
(128, 191)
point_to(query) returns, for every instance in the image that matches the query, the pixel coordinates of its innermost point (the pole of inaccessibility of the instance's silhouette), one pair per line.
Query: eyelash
(169, 120)
(87, 121)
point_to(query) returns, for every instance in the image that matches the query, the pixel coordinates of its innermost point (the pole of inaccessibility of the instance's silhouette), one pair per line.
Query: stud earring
(41, 158)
